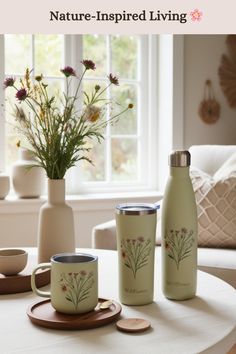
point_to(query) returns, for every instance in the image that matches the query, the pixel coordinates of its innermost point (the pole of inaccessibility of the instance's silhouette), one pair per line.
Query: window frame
(147, 78)
(153, 111)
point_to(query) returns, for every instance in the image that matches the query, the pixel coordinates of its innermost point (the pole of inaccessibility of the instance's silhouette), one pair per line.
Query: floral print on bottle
(178, 244)
(135, 253)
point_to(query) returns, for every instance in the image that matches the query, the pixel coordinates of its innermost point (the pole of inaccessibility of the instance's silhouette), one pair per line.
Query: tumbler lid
(180, 158)
(137, 208)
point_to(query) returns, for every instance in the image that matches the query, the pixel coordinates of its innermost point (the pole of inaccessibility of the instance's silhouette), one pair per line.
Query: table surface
(204, 324)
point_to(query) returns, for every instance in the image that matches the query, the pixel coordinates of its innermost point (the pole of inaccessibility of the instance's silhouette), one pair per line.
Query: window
(123, 160)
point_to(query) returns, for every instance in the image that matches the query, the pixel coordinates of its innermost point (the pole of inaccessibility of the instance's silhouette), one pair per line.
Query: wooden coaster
(133, 325)
(43, 314)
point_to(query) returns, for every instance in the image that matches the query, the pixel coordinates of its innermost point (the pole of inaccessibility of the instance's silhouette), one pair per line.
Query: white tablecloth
(205, 324)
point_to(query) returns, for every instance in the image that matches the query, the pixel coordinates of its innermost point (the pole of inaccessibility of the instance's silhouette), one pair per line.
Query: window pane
(124, 159)
(12, 134)
(124, 56)
(48, 54)
(125, 94)
(116, 53)
(95, 172)
(94, 48)
(18, 56)
(17, 53)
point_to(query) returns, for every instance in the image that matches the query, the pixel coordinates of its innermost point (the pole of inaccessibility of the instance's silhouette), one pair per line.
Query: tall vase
(27, 181)
(56, 223)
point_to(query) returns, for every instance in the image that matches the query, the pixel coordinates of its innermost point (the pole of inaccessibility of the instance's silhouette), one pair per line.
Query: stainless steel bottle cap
(137, 208)
(180, 158)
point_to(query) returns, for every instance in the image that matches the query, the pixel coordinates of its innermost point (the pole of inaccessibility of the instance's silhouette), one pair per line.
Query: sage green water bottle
(179, 231)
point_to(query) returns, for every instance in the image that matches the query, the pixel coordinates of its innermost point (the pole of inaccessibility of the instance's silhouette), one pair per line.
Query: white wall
(202, 55)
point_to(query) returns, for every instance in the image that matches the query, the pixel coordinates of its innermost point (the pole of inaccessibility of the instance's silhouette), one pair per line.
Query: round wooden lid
(133, 325)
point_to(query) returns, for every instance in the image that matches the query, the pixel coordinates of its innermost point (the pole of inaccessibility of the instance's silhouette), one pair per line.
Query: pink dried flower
(68, 71)
(89, 64)
(21, 94)
(113, 80)
(8, 82)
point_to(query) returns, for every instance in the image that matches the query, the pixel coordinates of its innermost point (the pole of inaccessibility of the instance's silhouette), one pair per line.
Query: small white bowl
(12, 261)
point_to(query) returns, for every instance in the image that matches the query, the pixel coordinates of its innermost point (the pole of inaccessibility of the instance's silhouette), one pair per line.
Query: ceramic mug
(74, 282)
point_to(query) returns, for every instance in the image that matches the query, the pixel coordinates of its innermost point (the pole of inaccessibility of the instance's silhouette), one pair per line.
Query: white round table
(205, 324)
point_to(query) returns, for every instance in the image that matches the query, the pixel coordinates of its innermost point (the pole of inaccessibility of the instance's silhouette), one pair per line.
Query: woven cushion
(228, 168)
(216, 203)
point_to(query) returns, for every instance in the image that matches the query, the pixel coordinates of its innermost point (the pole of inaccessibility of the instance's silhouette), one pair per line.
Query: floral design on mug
(76, 286)
(135, 253)
(178, 244)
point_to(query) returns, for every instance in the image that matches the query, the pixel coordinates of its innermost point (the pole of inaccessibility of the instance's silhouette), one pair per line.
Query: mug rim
(93, 258)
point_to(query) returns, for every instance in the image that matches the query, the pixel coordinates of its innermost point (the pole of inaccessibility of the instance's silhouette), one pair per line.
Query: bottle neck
(180, 172)
(56, 191)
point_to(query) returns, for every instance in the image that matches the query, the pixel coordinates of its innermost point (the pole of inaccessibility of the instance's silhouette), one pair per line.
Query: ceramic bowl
(12, 261)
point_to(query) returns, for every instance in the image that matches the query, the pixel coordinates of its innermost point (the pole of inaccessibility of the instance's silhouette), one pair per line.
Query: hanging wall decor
(227, 71)
(209, 109)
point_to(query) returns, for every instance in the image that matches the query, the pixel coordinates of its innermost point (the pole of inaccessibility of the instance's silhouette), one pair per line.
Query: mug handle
(33, 286)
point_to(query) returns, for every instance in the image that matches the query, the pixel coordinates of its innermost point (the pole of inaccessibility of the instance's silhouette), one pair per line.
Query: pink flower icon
(196, 15)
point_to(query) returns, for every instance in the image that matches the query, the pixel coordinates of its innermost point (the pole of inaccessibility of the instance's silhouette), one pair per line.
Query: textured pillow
(228, 168)
(216, 203)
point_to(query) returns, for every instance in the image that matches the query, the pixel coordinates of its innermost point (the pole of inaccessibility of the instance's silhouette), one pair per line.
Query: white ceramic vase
(56, 223)
(4, 185)
(27, 181)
